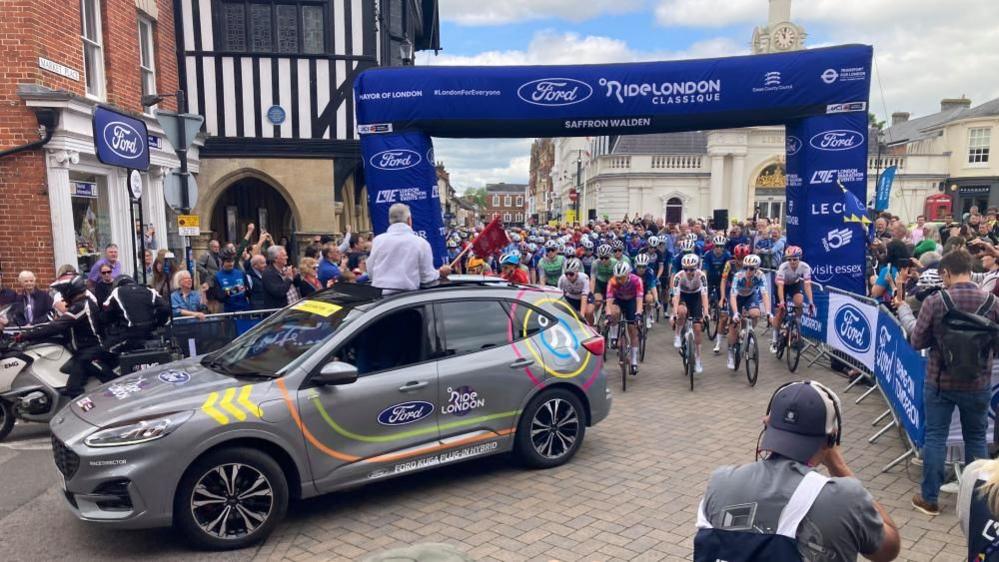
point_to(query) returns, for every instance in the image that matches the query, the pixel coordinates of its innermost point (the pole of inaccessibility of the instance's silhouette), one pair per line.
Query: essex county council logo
(554, 91)
(396, 159)
(853, 328)
(837, 140)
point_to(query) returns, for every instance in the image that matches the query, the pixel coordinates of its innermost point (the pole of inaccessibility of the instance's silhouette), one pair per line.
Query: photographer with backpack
(958, 325)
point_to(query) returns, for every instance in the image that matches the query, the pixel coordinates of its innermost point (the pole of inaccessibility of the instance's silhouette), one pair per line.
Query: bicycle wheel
(643, 336)
(752, 358)
(711, 326)
(623, 347)
(794, 345)
(781, 341)
(689, 360)
(737, 354)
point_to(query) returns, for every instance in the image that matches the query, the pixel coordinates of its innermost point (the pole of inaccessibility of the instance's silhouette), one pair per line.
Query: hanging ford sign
(837, 140)
(405, 412)
(396, 159)
(554, 91)
(120, 140)
(853, 328)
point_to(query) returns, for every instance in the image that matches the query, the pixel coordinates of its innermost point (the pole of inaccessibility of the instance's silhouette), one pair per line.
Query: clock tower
(779, 34)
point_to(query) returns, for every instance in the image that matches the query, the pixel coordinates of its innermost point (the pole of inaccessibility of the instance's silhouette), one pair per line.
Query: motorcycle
(31, 377)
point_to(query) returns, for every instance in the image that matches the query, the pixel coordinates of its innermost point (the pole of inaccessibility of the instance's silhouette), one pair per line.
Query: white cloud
(476, 162)
(471, 12)
(708, 13)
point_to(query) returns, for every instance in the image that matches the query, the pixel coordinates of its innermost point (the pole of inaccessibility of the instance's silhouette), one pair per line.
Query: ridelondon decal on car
(461, 401)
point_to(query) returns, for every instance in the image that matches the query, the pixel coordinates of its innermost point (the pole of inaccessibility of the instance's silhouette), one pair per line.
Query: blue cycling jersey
(714, 264)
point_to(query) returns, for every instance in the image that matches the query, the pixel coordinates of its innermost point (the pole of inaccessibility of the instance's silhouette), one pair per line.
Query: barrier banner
(850, 325)
(900, 371)
(399, 168)
(813, 327)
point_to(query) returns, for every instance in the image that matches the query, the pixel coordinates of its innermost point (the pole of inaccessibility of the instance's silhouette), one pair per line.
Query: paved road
(630, 494)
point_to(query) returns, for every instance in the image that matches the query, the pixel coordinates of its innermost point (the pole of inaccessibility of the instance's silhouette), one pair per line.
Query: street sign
(188, 225)
(573, 195)
(170, 121)
(120, 140)
(171, 190)
(135, 184)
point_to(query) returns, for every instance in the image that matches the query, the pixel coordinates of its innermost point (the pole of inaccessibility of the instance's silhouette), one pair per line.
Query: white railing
(874, 163)
(684, 162)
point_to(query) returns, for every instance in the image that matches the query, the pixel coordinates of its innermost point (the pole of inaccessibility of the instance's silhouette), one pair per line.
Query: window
(147, 64)
(496, 200)
(527, 321)
(367, 350)
(279, 27)
(978, 145)
(519, 217)
(93, 47)
(520, 201)
(506, 217)
(507, 201)
(471, 326)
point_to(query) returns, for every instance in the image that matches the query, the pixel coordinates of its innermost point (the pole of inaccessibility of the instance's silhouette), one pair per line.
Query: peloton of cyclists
(794, 277)
(690, 297)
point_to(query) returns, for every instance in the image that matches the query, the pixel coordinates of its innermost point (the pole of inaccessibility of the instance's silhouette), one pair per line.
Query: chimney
(953, 103)
(899, 117)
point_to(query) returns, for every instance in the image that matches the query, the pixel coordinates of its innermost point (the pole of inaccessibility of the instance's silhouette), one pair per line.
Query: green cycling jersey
(552, 269)
(603, 270)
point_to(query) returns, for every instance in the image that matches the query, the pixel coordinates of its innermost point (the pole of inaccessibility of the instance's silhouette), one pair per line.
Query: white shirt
(401, 260)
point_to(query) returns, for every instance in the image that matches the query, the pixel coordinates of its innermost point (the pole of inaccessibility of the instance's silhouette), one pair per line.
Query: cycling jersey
(576, 288)
(587, 261)
(624, 257)
(629, 290)
(786, 275)
(730, 270)
(603, 270)
(650, 278)
(744, 285)
(715, 264)
(685, 284)
(552, 269)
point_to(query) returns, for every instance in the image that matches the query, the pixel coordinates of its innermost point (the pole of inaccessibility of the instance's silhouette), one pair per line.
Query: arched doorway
(674, 210)
(770, 193)
(252, 200)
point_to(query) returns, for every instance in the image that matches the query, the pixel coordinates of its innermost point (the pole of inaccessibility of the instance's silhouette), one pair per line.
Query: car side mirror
(335, 373)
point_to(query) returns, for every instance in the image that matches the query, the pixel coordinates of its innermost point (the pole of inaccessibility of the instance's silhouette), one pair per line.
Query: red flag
(491, 240)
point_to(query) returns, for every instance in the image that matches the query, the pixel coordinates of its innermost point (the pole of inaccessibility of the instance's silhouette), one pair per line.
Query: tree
(872, 122)
(478, 195)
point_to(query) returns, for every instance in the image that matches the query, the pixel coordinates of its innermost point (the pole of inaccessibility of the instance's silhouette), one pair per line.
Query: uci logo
(554, 91)
(853, 328)
(837, 140)
(406, 412)
(792, 145)
(123, 140)
(398, 159)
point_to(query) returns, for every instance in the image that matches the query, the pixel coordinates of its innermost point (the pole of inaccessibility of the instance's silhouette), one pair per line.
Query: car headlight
(137, 432)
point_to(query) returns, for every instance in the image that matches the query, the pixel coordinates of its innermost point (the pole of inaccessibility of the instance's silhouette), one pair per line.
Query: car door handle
(521, 363)
(414, 385)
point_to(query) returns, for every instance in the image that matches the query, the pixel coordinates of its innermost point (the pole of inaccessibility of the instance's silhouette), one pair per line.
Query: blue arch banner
(820, 94)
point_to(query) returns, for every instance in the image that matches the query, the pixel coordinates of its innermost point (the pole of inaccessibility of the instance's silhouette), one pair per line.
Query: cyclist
(601, 273)
(511, 270)
(619, 254)
(551, 266)
(715, 263)
(624, 292)
(690, 296)
(749, 290)
(794, 277)
(575, 286)
(588, 256)
(649, 277)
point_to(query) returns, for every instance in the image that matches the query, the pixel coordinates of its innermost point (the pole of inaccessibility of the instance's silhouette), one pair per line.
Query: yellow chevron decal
(209, 408)
(226, 404)
(244, 401)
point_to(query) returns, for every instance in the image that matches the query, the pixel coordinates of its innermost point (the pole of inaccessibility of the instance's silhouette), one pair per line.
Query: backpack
(967, 340)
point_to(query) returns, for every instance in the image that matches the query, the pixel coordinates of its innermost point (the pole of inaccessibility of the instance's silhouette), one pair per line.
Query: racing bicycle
(624, 349)
(714, 315)
(746, 349)
(789, 340)
(687, 347)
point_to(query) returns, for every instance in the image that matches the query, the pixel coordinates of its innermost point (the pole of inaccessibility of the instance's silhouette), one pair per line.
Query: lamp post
(579, 182)
(406, 51)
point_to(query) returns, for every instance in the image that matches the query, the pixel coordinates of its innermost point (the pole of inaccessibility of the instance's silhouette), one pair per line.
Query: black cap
(802, 416)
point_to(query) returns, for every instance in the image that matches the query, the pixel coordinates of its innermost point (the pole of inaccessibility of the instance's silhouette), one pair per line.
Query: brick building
(540, 192)
(62, 58)
(507, 201)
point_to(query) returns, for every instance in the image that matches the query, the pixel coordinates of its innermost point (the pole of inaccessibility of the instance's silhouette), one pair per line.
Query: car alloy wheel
(231, 501)
(554, 428)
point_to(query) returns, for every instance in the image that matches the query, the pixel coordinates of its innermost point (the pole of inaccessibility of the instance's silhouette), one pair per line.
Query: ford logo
(792, 145)
(123, 140)
(853, 328)
(837, 140)
(405, 412)
(554, 91)
(397, 159)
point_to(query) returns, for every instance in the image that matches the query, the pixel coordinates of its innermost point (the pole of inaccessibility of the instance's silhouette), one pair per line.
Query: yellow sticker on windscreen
(317, 307)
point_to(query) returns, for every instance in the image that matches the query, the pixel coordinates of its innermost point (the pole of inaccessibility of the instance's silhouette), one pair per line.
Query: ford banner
(850, 326)
(899, 370)
(120, 140)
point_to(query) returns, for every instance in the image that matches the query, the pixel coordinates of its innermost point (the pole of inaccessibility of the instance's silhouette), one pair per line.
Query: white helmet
(719, 240)
(642, 260)
(687, 245)
(573, 266)
(654, 241)
(587, 243)
(752, 260)
(622, 268)
(690, 260)
(551, 245)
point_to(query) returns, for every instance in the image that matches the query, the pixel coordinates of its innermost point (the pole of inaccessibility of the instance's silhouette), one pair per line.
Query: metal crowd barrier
(197, 337)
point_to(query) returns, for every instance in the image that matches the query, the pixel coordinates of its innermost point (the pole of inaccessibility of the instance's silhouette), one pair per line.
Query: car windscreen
(270, 347)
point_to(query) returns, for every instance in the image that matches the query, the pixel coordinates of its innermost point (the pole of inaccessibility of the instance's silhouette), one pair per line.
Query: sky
(924, 50)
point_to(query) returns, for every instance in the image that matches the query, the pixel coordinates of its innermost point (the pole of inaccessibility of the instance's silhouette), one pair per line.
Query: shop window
(91, 218)
(279, 27)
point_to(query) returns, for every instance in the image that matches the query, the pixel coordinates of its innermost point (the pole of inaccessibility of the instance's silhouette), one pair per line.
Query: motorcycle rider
(82, 323)
(132, 313)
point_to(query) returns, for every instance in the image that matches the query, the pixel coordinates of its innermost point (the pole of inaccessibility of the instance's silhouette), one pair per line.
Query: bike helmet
(587, 243)
(124, 280)
(654, 241)
(642, 260)
(532, 248)
(511, 258)
(752, 260)
(452, 244)
(573, 266)
(690, 260)
(604, 250)
(740, 252)
(622, 269)
(515, 237)
(793, 252)
(550, 246)
(687, 245)
(69, 288)
(618, 246)
(227, 254)
(929, 279)
(719, 240)
(568, 251)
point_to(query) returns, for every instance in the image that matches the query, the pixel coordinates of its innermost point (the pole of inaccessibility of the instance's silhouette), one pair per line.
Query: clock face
(785, 37)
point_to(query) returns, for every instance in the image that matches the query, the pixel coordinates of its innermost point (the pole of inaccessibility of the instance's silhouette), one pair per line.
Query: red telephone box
(937, 207)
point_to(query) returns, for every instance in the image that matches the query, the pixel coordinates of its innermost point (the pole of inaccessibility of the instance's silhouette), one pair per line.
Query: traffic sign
(188, 225)
(171, 190)
(170, 121)
(135, 184)
(573, 195)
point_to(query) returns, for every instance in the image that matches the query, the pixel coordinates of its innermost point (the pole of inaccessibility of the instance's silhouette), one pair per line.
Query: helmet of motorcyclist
(124, 280)
(72, 287)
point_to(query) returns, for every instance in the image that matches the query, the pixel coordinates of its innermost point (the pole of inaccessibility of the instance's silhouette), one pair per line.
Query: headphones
(831, 439)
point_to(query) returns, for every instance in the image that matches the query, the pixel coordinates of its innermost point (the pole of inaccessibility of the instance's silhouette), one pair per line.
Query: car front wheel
(231, 498)
(551, 429)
